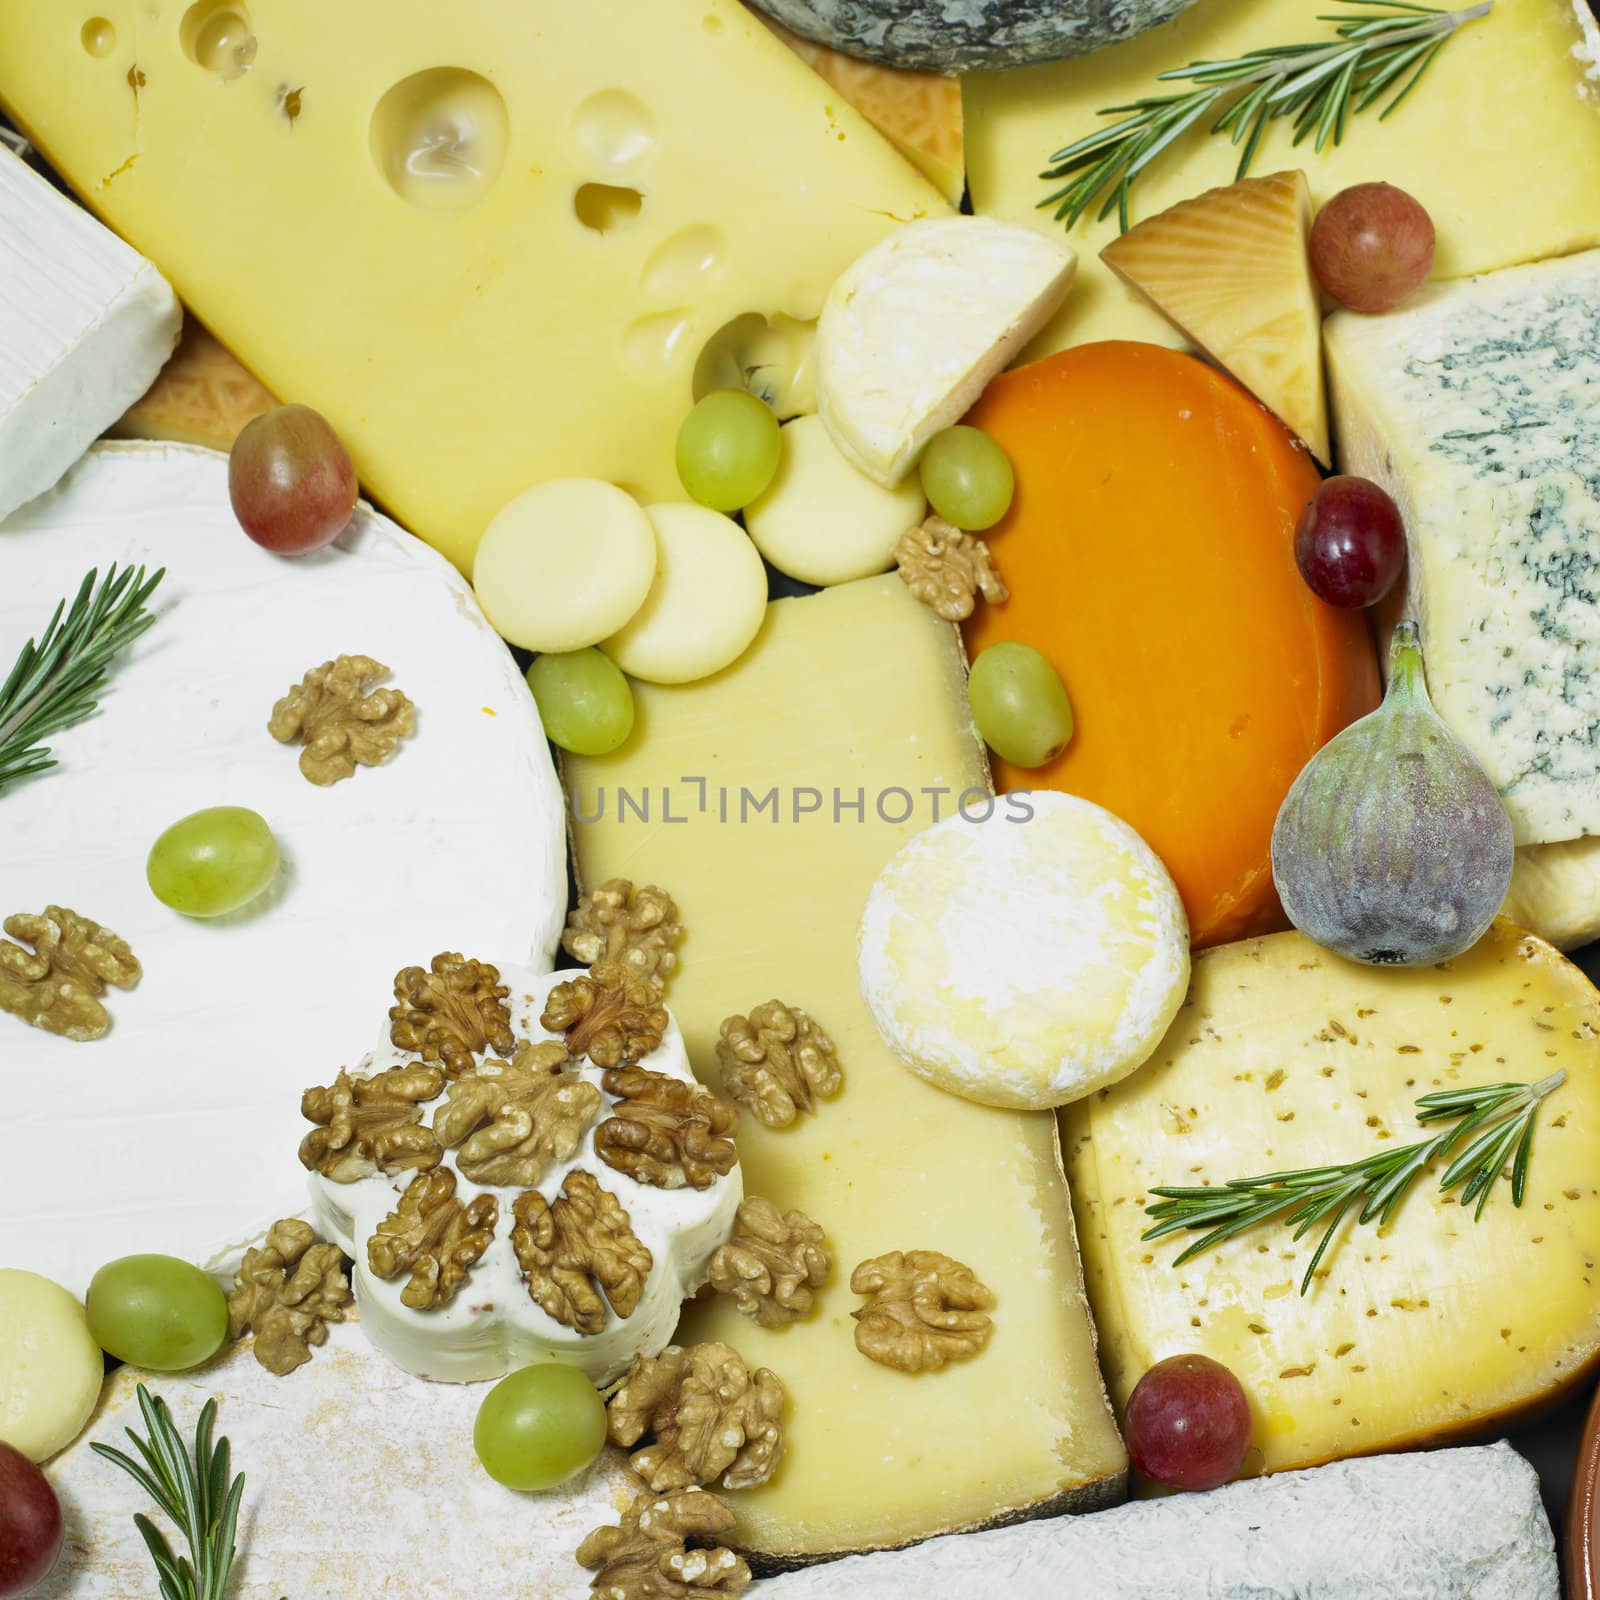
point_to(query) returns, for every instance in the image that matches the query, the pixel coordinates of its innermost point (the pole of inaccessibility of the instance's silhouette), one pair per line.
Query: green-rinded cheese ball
(823, 520)
(565, 565)
(707, 603)
(50, 1368)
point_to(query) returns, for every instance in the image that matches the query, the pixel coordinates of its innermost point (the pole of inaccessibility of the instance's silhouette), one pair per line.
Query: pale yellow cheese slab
(1501, 142)
(464, 355)
(857, 688)
(1284, 1057)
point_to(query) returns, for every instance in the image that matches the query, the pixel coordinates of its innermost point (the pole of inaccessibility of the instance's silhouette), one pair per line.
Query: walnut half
(451, 1011)
(434, 1237)
(513, 1120)
(947, 569)
(657, 1552)
(287, 1292)
(577, 1246)
(367, 1125)
(707, 1416)
(635, 929)
(58, 986)
(771, 1263)
(923, 1310)
(608, 1015)
(339, 723)
(666, 1132)
(777, 1062)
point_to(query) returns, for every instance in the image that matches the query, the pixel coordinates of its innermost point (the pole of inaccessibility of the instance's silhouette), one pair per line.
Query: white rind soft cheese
(1025, 960)
(914, 329)
(1447, 1525)
(493, 1327)
(86, 323)
(177, 1131)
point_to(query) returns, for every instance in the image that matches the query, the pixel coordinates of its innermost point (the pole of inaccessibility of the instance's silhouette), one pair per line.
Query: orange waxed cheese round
(1149, 551)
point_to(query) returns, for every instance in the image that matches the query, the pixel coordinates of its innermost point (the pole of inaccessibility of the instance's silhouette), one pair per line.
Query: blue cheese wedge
(86, 323)
(1451, 1525)
(1477, 407)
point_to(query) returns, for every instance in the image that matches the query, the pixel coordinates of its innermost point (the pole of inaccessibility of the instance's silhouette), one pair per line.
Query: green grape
(156, 1312)
(1019, 704)
(539, 1426)
(584, 700)
(213, 862)
(967, 478)
(728, 450)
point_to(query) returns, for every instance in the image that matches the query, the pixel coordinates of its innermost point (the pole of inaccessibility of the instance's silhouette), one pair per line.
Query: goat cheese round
(492, 1326)
(1027, 958)
(177, 1129)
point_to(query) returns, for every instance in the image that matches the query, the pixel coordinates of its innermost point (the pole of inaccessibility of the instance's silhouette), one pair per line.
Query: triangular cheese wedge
(1230, 269)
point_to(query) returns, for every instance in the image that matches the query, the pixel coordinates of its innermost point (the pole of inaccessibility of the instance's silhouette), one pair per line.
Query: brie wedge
(914, 329)
(178, 1129)
(492, 1326)
(85, 325)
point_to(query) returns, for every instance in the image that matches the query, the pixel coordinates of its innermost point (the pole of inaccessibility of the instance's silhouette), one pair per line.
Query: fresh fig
(1392, 846)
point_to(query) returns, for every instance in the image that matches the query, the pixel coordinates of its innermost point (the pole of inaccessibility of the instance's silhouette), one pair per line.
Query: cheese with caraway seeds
(1287, 1057)
(775, 793)
(1477, 406)
(488, 249)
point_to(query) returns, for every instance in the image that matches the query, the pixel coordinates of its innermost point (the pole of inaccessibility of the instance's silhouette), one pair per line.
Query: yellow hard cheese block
(1495, 199)
(856, 696)
(487, 243)
(1286, 1057)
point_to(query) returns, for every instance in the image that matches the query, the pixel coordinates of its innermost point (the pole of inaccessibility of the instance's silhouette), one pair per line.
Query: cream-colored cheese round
(705, 605)
(1026, 959)
(822, 519)
(493, 1326)
(564, 565)
(50, 1367)
(914, 329)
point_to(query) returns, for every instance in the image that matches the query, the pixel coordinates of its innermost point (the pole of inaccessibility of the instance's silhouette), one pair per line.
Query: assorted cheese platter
(798, 796)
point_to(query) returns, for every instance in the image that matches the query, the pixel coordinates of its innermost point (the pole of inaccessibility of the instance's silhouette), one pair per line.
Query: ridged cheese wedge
(1229, 268)
(914, 329)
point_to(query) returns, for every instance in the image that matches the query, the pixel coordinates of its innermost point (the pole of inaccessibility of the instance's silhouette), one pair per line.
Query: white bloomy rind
(1025, 962)
(914, 329)
(493, 1327)
(86, 323)
(1447, 1525)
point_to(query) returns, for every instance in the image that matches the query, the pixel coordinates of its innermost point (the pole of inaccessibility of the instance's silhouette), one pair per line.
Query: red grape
(1350, 543)
(1372, 246)
(291, 482)
(1187, 1423)
(30, 1524)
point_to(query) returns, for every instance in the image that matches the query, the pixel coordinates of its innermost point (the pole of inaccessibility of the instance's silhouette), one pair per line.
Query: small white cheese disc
(50, 1368)
(178, 1129)
(825, 521)
(1028, 958)
(914, 329)
(565, 565)
(707, 602)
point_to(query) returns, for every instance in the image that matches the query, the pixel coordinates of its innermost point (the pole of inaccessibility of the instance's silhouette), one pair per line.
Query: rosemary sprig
(56, 680)
(196, 1491)
(1321, 85)
(1500, 1117)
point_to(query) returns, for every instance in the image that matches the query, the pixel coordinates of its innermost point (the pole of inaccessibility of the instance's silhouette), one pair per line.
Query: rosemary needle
(57, 678)
(1499, 1116)
(1387, 45)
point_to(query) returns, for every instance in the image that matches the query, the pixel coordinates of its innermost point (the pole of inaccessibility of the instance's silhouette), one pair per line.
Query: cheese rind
(1494, 202)
(854, 698)
(463, 354)
(85, 325)
(1477, 406)
(1286, 1057)
(201, 396)
(1451, 1525)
